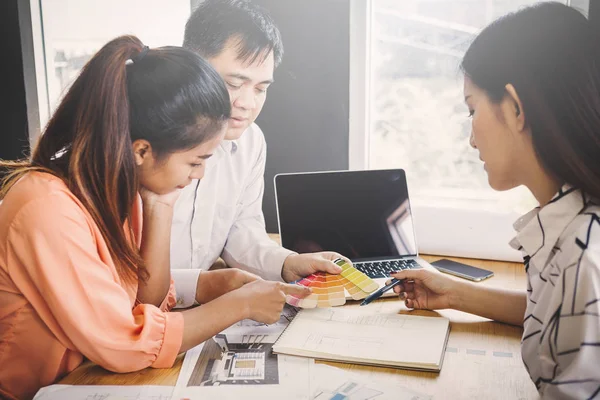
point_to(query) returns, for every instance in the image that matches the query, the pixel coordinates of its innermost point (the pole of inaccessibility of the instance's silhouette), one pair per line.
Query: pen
(378, 293)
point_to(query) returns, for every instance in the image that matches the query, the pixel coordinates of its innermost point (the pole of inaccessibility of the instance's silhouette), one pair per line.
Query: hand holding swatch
(328, 289)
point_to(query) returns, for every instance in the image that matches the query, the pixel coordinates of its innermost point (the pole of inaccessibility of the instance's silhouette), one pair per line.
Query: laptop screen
(364, 215)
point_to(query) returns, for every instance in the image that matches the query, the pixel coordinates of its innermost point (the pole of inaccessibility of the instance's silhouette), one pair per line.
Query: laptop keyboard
(382, 269)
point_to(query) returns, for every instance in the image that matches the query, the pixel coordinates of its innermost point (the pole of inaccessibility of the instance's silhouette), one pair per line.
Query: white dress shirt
(561, 340)
(221, 216)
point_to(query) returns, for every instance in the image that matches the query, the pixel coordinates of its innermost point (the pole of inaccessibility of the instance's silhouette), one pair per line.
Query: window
(405, 58)
(68, 32)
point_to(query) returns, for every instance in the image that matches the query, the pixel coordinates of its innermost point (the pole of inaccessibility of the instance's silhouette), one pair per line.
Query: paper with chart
(239, 362)
(62, 392)
(245, 331)
(360, 335)
(241, 372)
(329, 383)
(323, 383)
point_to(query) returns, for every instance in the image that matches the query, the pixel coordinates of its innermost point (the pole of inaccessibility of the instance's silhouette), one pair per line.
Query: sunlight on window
(418, 119)
(73, 30)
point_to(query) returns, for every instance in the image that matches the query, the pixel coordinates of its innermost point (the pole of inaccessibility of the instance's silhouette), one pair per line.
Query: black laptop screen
(360, 214)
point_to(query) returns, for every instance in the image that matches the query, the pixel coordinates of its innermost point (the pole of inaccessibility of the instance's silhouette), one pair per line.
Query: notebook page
(351, 334)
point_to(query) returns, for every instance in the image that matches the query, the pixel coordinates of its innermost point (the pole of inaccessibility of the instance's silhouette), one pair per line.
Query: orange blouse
(61, 298)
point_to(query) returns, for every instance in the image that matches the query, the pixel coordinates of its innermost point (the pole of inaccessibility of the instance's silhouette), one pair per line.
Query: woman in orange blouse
(85, 224)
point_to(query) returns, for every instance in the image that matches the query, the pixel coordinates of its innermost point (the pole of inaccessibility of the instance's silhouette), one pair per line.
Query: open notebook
(358, 336)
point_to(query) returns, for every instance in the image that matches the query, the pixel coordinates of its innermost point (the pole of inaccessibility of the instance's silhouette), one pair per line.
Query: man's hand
(213, 284)
(297, 266)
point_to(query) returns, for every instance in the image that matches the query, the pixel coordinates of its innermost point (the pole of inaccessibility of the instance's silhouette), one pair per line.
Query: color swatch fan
(328, 289)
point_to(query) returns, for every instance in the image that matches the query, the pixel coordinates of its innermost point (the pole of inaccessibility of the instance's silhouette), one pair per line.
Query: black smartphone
(462, 270)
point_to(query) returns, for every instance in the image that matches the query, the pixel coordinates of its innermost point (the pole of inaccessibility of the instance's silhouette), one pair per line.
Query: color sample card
(358, 284)
(328, 289)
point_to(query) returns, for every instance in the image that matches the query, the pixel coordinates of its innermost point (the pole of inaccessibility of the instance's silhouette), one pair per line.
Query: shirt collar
(230, 146)
(539, 230)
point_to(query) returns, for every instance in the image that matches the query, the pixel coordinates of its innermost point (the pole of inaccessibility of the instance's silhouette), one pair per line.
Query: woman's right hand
(264, 300)
(426, 288)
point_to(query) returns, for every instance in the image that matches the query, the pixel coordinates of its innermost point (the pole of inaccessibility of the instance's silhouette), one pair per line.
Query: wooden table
(482, 360)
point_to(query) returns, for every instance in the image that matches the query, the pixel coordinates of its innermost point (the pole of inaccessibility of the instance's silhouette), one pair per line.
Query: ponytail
(87, 144)
(168, 96)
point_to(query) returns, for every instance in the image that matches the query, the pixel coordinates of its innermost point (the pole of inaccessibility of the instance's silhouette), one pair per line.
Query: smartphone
(462, 270)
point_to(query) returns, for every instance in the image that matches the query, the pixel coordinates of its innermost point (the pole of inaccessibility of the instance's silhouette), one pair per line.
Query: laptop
(363, 215)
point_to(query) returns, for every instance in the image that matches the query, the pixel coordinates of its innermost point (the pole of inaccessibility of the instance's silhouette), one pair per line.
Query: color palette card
(357, 283)
(328, 289)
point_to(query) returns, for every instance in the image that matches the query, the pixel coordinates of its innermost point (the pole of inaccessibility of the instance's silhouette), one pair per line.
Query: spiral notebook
(357, 336)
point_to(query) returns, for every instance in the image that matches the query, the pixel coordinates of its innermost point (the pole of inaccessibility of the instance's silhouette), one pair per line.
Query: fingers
(294, 290)
(332, 255)
(407, 295)
(322, 263)
(410, 274)
(329, 266)
(405, 286)
(272, 319)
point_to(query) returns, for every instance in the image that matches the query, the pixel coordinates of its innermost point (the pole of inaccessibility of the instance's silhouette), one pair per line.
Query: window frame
(443, 229)
(39, 50)
(41, 54)
(361, 12)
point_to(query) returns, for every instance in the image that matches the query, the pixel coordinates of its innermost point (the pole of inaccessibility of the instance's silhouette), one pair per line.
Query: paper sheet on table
(243, 331)
(361, 336)
(239, 363)
(329, 383)
(62, 392)
(288, 379)
(298, 378)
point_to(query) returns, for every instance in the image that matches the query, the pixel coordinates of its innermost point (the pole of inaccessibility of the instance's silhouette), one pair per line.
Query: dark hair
(168, 96)
(214, 22)
(176, 100)
(549, 53)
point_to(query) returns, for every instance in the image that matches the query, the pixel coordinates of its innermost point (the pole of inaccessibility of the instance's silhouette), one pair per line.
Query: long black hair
(549, 53)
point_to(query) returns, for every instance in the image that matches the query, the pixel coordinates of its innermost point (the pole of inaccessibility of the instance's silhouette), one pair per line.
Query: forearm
(249, 248)
(154, 249)
(202, 323)
(501, 305)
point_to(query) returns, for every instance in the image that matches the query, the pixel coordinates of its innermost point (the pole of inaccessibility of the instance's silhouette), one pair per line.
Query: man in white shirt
(221, 215)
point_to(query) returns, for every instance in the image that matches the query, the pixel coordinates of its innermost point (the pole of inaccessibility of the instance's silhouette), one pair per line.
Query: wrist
(286, 269)
(202, 286)
(456, 293)
(152, 209)
(241, 303)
